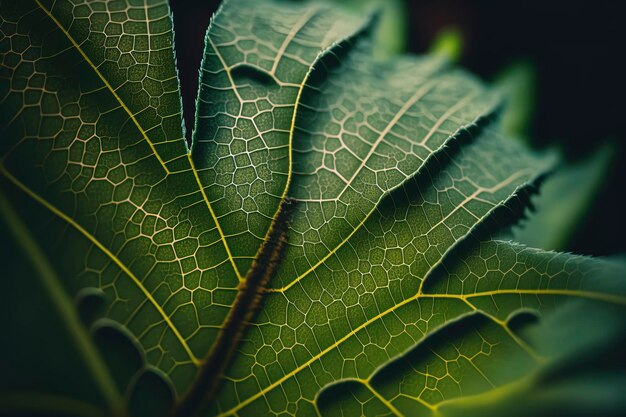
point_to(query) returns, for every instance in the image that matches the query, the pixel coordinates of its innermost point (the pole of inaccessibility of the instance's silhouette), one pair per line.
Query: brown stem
(251, 291)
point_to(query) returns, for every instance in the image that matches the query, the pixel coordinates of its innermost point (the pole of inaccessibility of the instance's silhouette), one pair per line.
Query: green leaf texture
(323, 245)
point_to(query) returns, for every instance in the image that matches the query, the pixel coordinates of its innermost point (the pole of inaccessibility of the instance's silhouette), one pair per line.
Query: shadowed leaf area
(324, 246)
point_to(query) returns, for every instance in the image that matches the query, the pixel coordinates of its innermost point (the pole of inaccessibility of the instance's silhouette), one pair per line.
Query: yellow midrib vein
(105, 81)
(108, 253)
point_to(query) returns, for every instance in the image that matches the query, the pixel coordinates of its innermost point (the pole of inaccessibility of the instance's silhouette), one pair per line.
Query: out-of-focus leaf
(582, 372)
(448, 44)
(518, 84)
(562, 203)
(391, 33)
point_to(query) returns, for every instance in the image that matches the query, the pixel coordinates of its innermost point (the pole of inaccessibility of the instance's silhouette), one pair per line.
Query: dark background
(577, 50)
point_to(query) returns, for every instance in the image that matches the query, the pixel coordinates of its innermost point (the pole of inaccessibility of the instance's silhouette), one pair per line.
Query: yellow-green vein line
(417, 96)
(195, 171)
(609, 298)
(213, 215)
(382, 399)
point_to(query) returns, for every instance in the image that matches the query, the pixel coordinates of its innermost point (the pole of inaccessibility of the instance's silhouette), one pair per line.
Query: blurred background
(572, 52)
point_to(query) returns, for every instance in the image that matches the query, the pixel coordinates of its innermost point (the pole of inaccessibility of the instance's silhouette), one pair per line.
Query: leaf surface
(331, 219)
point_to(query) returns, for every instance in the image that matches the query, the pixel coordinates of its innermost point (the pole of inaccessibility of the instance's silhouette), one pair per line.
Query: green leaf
(333, 214)
(518, 83)
(448, 44)
(560, 207)
(390, 34)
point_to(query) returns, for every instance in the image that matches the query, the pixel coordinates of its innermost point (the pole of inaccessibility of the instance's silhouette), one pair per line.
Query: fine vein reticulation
(322, 248)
